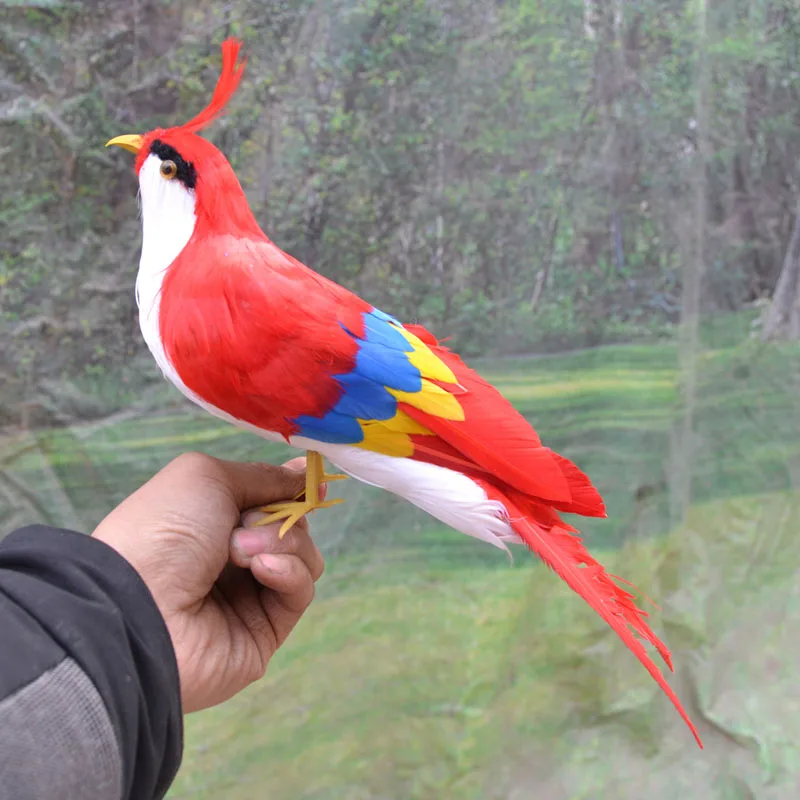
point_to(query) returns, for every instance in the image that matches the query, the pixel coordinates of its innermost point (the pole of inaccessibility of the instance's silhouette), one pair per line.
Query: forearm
(89, 690)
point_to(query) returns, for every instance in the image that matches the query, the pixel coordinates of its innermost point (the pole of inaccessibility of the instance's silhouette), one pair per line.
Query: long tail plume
(559, 546)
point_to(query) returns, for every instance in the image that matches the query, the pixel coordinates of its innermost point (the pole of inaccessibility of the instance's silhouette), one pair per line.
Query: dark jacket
(89, 692)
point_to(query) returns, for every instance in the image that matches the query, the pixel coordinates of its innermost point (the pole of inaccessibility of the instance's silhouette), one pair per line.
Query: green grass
(430, 668)
(434, 685)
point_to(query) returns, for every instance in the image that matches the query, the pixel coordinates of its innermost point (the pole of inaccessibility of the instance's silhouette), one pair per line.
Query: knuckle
(269, 474)
(267, 469)
(194, 462)
(319, 566)
(284, 482)
(292, 474)
(288, 544)
(258, 667)
(309, 594)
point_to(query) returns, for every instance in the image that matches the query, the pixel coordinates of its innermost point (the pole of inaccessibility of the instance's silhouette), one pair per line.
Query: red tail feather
(586, 500)
(558, 546)
(496, 447)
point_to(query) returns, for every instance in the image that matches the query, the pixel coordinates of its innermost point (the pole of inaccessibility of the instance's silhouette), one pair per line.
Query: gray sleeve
(90, 700)
(61, 717)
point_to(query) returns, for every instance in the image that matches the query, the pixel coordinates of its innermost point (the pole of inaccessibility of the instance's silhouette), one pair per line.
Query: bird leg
(307, 501)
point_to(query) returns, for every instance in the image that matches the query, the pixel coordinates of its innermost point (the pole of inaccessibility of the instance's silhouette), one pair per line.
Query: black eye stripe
(186, 173)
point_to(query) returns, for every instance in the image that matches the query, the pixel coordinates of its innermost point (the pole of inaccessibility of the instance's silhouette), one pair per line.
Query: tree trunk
(783, 317)
(685, 444)
(543, 275)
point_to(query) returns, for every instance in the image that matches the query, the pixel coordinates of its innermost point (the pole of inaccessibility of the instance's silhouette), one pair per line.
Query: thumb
(257, 484)
(296, 464)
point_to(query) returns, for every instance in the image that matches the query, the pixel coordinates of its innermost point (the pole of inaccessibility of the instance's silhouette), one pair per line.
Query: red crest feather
(226, 86)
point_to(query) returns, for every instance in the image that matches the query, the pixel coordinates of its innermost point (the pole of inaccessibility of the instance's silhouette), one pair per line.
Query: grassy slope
(454, 684)
(426, 659)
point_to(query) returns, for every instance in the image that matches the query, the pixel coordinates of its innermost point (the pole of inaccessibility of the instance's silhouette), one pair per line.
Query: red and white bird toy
(255, 337)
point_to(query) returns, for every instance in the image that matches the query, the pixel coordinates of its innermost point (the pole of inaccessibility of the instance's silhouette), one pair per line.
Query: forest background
(597, 200)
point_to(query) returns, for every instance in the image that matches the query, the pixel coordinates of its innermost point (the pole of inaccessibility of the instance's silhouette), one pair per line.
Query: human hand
(230, 595)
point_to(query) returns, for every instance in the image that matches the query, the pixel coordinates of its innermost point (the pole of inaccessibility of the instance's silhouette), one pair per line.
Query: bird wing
(408, 396)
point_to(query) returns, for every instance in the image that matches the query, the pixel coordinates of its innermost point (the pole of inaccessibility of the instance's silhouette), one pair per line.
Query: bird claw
(304, 502)
(326, 478)
(291, 512)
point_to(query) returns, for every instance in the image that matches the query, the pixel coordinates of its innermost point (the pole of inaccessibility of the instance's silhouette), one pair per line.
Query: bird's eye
(169, 169)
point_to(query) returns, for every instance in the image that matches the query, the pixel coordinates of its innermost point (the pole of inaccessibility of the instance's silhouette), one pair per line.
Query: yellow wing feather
(391, 436)
(429, 365)
(433, 400)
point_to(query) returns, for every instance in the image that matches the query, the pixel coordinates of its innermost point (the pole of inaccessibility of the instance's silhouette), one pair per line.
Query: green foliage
(514, 175)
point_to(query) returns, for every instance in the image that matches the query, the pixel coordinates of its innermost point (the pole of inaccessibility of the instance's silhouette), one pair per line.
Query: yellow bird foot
(326, 478)
(293, 510)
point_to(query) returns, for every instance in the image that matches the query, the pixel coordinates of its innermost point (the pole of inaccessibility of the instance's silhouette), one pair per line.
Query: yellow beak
(132, 142)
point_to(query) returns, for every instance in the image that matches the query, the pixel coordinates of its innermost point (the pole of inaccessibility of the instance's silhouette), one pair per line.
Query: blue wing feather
(378, 331)
(381, 362)
(333, 427)
(363, 398)
(388, 367)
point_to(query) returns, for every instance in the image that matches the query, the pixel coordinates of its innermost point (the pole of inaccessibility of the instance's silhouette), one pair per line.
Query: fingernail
(249, 542)
(273, 564)
(251, 518)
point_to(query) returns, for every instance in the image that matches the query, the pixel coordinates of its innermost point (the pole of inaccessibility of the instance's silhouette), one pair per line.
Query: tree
(783, 317)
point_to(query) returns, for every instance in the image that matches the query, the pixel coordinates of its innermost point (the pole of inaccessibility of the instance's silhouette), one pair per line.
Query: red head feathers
(226, 86)
(221, 205)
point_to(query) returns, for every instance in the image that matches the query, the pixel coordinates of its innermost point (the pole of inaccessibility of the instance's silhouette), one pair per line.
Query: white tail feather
(447, 495)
